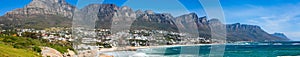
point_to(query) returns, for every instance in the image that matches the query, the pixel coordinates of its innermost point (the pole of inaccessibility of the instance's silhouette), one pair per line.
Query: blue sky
(272, 15)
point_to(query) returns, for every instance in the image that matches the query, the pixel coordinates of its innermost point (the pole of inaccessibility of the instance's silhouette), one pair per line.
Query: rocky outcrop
(39, 14)
(190, 23)
(281, 35)
(110, 15)
(243, 32)
(44, 7)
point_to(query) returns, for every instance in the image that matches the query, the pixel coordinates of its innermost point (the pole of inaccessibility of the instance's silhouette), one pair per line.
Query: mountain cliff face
(39, 14)
(248, 33)
(110, 15)
(281, 35)
(114, 15)
(44, 7)
(54, 13)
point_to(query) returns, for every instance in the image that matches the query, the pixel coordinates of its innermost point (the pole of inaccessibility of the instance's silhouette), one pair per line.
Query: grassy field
(13, 46)
(9, 51)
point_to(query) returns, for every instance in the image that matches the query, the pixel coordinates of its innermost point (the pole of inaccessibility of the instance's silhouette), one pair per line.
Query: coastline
(109, 51)
(131, 48)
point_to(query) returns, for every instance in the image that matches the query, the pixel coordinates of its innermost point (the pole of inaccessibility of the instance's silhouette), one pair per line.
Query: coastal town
(104, 40)
(104, 36)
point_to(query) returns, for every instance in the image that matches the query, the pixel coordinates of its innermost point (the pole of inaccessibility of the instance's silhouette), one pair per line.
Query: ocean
(234, 51)
(228, 50)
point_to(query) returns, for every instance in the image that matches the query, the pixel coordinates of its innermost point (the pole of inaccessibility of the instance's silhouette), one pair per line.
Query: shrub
(37, 49)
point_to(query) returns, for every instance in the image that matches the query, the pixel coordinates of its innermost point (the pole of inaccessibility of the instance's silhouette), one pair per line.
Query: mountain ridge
(44, 7)
(110, 15)
(281, 35)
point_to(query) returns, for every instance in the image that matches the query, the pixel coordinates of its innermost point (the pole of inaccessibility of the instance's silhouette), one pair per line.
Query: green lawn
(9, 51)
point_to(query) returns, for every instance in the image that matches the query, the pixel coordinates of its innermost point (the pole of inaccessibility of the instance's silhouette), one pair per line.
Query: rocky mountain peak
(107, 10)
(281, 35)
(48, 1)
(139, 12)
(242, 27)
(187, 18)
(192, 15)
(44, 7)
(99, 8)
(149, 12)
(203, 19)
(125, 8)
(214, 22)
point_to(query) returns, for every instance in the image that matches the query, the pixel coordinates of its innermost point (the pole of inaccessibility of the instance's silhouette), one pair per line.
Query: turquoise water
(229, 51)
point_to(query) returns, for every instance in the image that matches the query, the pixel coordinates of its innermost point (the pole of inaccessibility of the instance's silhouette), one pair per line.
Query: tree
(37, 49)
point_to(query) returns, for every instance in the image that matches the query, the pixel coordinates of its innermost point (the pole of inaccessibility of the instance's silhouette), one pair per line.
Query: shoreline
(132, 48)
(107, 51)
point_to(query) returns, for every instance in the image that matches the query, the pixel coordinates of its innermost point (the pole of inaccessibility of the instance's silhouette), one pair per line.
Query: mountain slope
(57, 13)
(44, 7)
(110, 15)
(281, 35)
(39, 14)
(243, 32)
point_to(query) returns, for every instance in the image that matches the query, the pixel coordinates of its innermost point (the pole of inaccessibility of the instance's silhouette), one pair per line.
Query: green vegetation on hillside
(35, 21)
(9, 51)
(33, 44)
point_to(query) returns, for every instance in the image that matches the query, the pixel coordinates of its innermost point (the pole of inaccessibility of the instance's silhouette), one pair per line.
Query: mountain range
(40, 14)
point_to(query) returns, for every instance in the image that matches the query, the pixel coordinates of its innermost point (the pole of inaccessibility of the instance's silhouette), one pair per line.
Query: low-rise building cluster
(104, 38)
(51, 34)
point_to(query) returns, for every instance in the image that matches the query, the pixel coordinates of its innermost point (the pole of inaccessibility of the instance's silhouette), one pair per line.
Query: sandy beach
(131, 48)
(103, 51)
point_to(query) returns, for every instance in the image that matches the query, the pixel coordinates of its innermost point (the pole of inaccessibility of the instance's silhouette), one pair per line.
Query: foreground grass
(9, 51)
(30, 45)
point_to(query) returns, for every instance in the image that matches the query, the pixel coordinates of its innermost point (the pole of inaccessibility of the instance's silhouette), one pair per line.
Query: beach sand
(131, 48)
